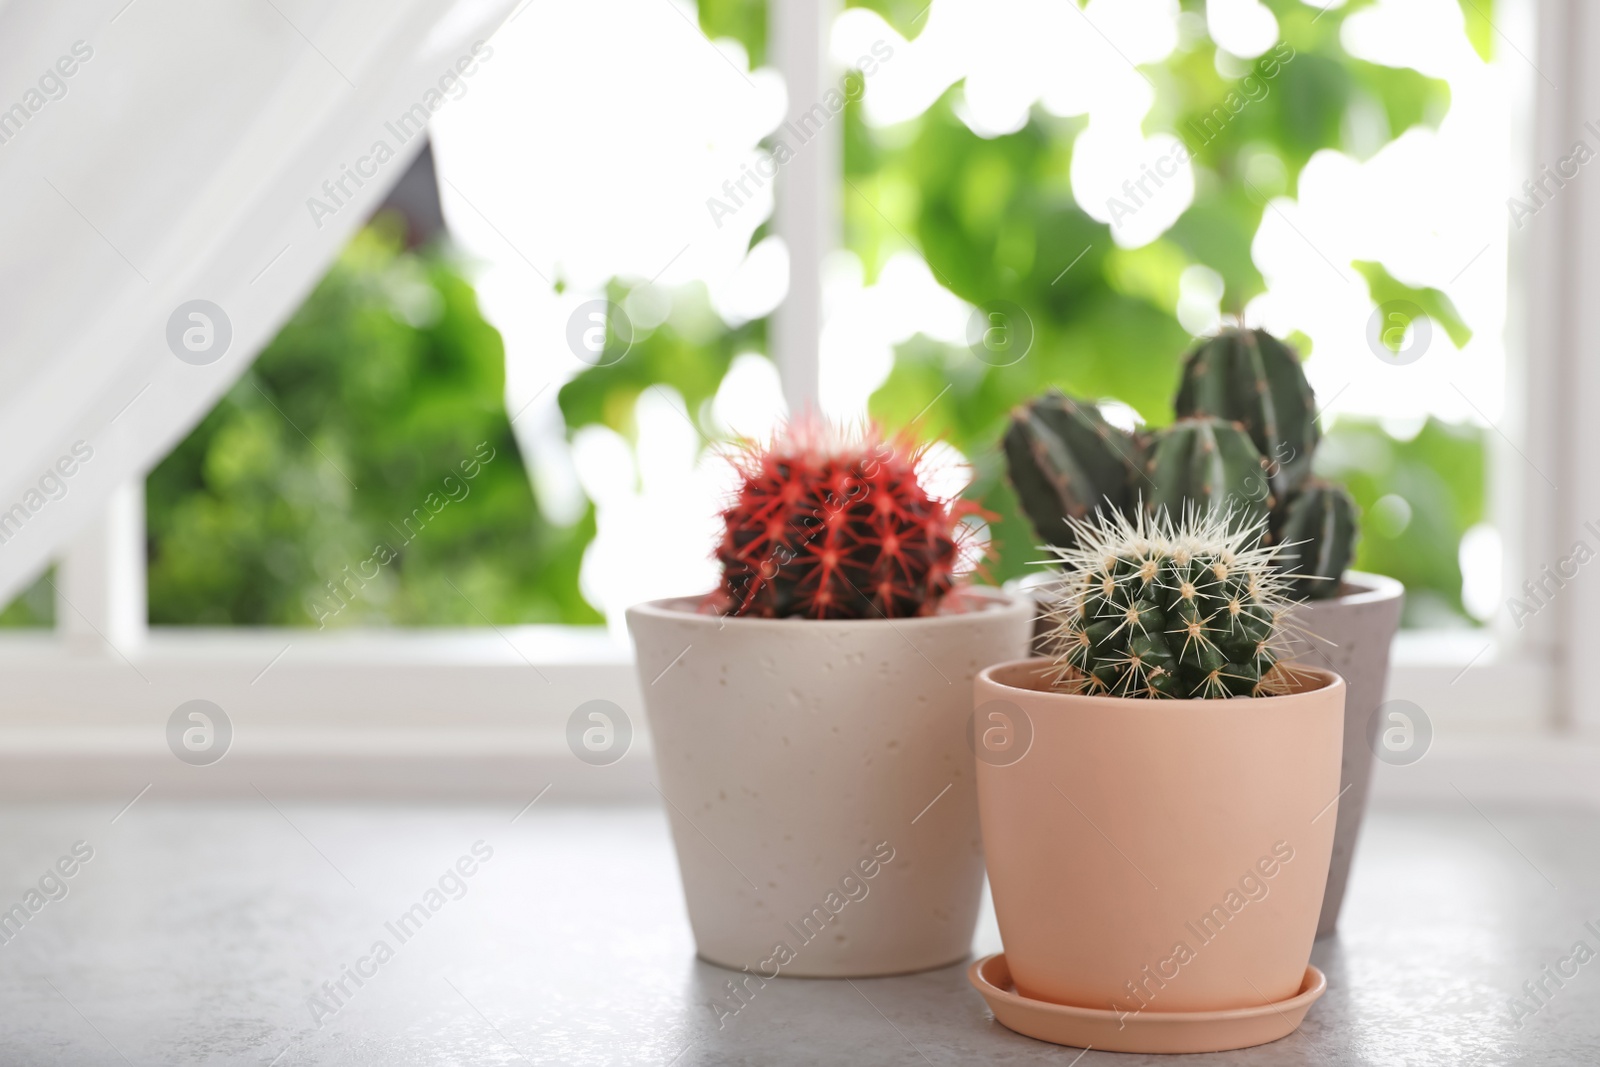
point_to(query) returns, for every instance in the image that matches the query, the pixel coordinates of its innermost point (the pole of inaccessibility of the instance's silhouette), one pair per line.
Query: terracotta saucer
(1198, 1031)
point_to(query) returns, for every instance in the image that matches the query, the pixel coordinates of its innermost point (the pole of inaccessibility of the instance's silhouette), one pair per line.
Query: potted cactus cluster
(809, 716)
(1156, 856)
(1154, 792)
(1243, 445)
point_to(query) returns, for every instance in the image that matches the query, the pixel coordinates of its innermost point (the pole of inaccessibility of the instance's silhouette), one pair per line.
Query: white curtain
(174, 176)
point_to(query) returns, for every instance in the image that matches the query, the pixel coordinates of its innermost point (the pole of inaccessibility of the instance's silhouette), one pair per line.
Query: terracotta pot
(1354, 632)
(1158, 855)
(819, 782)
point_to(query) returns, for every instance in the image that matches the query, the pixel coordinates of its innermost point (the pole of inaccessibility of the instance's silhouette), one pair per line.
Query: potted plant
(1245, 440)
(1156, 854)
(809, 716)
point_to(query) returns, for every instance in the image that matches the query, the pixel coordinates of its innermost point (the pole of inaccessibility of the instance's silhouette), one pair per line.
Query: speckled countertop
(196, 932)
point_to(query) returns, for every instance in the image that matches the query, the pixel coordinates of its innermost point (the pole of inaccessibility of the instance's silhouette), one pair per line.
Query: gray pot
(1352, 634)
(1027, 587)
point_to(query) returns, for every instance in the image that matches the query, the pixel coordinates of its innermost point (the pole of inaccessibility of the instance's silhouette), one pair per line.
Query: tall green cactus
(1209, 466)
(1251, 377)
(1242, 446)
(1065, 462)
(1318, 538)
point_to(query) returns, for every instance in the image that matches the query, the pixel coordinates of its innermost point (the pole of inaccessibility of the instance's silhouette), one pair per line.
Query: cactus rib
(1209, 465)
(1318, 539)
(1251, 377)
(1065, 462)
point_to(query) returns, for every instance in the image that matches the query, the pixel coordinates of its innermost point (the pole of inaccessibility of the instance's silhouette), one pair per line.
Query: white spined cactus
(1150, 608)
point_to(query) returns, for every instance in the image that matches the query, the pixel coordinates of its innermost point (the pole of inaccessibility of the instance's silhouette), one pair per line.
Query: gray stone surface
(197, 931)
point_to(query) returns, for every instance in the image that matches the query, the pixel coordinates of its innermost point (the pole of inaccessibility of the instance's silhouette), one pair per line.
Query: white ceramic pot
(819, 780)
(1353, 632)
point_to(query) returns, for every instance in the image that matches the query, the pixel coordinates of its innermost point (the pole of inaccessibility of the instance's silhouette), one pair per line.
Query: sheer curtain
(174, 176)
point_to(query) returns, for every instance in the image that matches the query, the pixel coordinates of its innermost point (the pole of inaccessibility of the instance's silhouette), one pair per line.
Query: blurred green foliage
(1479, 16)
(388, 378)
(35, 606)
(1418, 496)
(744, 21)
(363, 471)
(1433, 303)
(997, 222)
(688, 353)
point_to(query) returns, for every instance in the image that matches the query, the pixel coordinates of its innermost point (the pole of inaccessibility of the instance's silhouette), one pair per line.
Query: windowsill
(1460, 677)
(481, 712)
(436, 646)
(545, 644)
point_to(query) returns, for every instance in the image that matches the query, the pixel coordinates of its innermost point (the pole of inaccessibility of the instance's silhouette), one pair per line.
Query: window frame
(76, 690)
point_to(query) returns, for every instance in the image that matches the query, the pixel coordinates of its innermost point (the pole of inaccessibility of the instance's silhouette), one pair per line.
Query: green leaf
(1479, 15)
(907, 17)
(741, 20)
(1384, 287)
(35, 606)
(1406, 97)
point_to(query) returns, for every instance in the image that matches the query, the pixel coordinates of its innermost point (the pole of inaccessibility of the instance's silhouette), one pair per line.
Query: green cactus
(1210, 466)
(1242, 447)
(1251, 377)
(1065, 462)
(1318, 538)
(1149, 609)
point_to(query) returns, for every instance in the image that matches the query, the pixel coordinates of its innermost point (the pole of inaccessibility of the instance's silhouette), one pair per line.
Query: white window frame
(485, 710)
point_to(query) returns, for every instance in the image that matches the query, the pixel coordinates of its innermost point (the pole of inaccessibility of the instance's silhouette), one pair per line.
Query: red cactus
(824, 527)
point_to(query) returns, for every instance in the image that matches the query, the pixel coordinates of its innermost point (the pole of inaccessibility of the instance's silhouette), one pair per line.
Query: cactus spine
(1251, 377)
(1065, 460)
(1150, 608)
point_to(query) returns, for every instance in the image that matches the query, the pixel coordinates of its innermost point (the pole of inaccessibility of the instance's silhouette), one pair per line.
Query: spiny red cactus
(829, 528)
